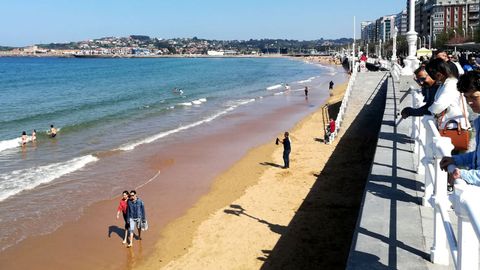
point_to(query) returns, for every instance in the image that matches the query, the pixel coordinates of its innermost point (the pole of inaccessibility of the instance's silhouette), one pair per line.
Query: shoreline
(186, 240)
(90, 227)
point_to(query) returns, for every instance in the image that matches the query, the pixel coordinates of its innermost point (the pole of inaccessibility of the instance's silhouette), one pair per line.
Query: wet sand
(249, 207)
(94, 237)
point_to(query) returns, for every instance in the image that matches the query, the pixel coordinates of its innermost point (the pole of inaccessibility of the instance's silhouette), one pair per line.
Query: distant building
(401, 22)
(435, 16)
(384, 26)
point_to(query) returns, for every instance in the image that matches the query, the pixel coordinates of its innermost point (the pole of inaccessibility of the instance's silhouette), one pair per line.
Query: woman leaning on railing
(469, 85)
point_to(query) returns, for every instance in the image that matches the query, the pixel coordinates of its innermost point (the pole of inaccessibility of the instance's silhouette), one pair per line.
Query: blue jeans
(286, 159)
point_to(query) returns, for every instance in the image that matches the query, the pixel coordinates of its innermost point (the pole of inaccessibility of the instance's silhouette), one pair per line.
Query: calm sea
(110, 105)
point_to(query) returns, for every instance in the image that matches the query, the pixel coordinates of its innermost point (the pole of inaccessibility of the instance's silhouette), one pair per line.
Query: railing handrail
(346, 96)
(435, 147)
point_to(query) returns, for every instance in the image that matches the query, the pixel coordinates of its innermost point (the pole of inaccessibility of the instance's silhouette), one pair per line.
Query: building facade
(401, 22)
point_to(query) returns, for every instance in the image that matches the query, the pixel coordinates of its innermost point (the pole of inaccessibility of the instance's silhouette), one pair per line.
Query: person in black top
(330, 85)
(286, 150)
(429, 88)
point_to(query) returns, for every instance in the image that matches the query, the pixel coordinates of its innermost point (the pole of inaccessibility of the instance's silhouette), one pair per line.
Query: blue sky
(25, 22)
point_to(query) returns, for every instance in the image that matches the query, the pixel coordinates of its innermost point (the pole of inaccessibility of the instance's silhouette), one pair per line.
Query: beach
(171, 176)
(237, 224)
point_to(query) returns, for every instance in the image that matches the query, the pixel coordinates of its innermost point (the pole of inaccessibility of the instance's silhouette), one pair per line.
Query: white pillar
(394, 49)
(411, 63)
(380, 49)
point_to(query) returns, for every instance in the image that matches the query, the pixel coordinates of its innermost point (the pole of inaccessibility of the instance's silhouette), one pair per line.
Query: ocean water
(103, 106)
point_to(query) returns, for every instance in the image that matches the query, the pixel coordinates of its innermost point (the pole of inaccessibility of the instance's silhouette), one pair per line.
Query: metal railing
(343, 106)
(462, 244)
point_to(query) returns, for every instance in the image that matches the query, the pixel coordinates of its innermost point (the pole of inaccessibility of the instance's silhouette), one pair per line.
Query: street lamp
(455, 33)
(472, 32)
(424, 41)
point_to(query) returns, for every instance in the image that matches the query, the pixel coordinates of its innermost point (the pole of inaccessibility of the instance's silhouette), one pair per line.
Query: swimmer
(24, 138)
(34, 135)
(53, 131)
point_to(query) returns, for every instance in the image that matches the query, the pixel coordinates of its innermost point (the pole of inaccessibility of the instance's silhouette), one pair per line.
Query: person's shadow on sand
(117, 230)
(238, 210)
(271, 164)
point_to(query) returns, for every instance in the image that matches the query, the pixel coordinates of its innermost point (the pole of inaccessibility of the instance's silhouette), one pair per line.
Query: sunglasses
(421, 80)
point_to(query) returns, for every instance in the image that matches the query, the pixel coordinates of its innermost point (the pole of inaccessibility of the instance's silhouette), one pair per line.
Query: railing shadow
(320, 233)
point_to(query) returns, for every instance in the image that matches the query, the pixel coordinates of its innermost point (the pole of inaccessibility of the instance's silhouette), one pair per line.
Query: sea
(102, 107)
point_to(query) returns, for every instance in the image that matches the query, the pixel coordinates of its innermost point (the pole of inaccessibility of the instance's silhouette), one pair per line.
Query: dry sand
(239, 222)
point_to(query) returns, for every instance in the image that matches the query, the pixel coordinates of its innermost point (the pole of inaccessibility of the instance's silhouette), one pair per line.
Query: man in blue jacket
(135, 215)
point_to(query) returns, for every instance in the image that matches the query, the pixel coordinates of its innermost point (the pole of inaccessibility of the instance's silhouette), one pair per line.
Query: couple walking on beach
(133, 211)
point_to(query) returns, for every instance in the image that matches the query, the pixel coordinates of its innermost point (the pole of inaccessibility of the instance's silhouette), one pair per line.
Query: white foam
(185, 104)
(307, 80)
(14, 182)
(131, 146)
(274, 87)
(9, 144)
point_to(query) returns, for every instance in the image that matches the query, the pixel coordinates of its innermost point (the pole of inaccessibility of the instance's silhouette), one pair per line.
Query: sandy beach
(239, 222)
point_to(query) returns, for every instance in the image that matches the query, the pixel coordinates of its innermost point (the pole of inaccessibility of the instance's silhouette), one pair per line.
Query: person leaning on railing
(469, 85)
(429, 88)
(448, 106)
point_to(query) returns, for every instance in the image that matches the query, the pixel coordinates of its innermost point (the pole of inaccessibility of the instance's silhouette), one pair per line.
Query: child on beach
(136, 216)
(122, 208)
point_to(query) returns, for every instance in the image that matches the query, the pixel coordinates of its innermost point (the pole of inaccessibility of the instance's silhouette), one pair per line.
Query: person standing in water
(24, 138)
(53, 131)
(34, 135)
(306, 91)
(330, 85)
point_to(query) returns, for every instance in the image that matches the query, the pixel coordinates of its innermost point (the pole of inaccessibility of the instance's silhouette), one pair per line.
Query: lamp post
(429, 42)
(411, 63)
(394, 49)
(472, 32)
(380, 49)
(455, 33)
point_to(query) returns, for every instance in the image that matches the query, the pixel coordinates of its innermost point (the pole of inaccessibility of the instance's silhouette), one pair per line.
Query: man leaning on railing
(469, 85)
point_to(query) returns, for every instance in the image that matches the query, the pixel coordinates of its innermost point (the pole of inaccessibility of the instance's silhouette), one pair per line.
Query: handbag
(459, 137)
(144, 225)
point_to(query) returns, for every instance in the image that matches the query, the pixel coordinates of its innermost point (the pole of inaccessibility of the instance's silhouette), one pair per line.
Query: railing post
(467, 239)
(427, 162)
(439, 253)
(422, 144)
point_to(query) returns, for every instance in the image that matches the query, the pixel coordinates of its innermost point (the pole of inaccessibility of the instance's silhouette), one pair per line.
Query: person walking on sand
(53, 131)
(122, 208)
(330, 85)
(286, 150)
(136, 216)
(306, 91)
(24, 138)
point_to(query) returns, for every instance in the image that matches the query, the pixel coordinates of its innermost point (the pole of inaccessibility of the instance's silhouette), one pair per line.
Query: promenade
(394, 230)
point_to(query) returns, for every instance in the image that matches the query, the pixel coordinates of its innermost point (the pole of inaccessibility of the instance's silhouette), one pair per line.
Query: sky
(27, 22)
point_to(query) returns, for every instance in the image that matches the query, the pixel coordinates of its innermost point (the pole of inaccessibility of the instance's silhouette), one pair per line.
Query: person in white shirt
(449, 104)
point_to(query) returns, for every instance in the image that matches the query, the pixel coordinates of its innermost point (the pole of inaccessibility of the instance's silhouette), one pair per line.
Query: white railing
(463, 245)
(396, 71)
(343, 106)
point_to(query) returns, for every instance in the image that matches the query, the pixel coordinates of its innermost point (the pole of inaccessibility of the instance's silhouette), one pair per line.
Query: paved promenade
(393, 230)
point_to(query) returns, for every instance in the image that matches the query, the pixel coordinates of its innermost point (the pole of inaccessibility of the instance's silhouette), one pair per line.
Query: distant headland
(145, 46)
